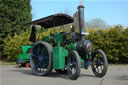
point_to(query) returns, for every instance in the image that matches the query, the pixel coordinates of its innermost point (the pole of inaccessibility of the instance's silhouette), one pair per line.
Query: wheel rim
(39, 59)
(72, 65)
(98, 63)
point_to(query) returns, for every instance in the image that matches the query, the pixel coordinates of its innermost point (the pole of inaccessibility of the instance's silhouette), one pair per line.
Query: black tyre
(61, 71)
(41, 58)
(73, 65)
(99, 63)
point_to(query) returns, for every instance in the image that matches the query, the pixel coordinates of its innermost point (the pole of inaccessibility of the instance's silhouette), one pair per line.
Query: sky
(112, 11)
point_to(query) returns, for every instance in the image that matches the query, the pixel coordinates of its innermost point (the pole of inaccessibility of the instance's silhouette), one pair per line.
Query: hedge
(114, 42)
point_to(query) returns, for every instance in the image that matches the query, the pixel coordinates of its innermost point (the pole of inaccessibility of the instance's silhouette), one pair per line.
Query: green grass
(118, 64)
(5, 62)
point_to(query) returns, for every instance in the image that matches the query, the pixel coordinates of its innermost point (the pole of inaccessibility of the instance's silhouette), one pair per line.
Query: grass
(118, 64)
(5, 62)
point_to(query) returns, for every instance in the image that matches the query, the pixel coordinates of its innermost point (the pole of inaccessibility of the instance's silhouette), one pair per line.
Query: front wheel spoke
(102, 63)
(71, 65)
(70, 70)
(101, 68)
(75, 68)
(96, 66)
(73, 60)
(98, 70)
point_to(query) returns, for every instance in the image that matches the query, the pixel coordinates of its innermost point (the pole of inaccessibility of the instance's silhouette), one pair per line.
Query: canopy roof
(52, 21)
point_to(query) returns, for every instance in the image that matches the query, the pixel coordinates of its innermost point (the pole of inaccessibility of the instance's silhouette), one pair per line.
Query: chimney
(81, 20)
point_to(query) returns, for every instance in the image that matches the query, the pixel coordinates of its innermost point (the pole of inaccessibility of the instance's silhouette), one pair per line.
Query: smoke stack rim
(80, 6)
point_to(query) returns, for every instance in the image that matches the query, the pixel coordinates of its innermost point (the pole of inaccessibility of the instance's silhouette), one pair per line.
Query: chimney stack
(81, 19)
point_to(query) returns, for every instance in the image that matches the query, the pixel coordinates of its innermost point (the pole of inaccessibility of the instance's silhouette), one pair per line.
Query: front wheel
(73, 65)
(99, 63)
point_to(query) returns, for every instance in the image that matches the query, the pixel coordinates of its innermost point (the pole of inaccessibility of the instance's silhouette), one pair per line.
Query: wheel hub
(40, 58)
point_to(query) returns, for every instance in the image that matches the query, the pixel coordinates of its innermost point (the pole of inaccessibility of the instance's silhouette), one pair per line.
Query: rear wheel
(41, 58)
(73, 65)
(99, 63)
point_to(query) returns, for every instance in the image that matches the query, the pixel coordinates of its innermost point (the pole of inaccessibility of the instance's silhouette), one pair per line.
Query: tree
(76, 21)
(13, 15)
(96, 23)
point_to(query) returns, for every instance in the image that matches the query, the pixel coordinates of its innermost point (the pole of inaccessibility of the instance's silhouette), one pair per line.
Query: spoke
(44, 64)
(73, 59)
(38, 47)
(75, 68)
(70, 70)
(33, 55)
(46, 60)
(97, 69)
(45, 57)
(94, 66)
(37, 65)
(101, 68)
(36, 60)
(42, 51)
(102, 63)
(40, 67)
(45, 52)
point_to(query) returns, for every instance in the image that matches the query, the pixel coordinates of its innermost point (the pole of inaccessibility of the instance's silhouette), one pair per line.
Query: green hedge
(114, 41)
(12, 45)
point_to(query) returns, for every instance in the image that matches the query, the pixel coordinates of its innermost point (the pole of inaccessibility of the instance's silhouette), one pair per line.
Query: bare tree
(76, 21)
(96, 23)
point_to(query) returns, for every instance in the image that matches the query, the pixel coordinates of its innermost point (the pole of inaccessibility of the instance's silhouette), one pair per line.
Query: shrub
(12, 45)
(113, 41)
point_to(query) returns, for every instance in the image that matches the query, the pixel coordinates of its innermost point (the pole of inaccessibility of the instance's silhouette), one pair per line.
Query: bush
(113, 41)
(12, 45)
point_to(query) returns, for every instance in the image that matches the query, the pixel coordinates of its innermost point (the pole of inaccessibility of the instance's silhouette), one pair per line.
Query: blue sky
(112, 11)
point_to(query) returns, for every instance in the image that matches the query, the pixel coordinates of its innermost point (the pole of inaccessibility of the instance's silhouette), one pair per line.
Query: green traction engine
(65, 52)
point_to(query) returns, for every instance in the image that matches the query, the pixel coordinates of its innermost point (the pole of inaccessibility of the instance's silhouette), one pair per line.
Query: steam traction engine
(65, 52)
